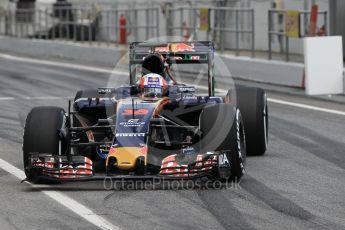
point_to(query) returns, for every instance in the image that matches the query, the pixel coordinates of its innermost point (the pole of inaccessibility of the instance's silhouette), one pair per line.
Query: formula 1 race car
(152, 127)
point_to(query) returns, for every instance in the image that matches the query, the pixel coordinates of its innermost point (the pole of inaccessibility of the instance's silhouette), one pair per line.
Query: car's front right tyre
(223, 131)
(42, 134)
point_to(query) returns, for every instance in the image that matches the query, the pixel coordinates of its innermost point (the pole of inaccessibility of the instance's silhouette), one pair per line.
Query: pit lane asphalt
(298, 184)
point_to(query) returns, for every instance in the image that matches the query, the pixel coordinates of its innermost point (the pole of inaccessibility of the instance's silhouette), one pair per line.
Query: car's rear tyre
(222, 130)
(252, 103)
(43, 133)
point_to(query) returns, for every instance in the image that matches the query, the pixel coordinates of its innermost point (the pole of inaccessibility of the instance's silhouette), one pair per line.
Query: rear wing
(179, 52)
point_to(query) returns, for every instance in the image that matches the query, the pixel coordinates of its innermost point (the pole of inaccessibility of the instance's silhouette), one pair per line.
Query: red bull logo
(176, 47)
(182, 47)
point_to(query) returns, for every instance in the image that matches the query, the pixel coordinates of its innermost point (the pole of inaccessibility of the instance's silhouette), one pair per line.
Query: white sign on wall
(323, 58)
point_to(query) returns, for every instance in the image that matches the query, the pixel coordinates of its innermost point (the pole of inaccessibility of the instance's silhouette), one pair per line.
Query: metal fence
(229, 28)
(80, 24)
(142, 24)
(2, 21)
(278, 29)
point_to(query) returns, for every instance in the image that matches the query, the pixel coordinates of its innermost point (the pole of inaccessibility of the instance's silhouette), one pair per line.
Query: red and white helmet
(153, 85)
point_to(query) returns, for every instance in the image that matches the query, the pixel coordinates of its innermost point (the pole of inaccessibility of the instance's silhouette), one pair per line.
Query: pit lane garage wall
(274, 72)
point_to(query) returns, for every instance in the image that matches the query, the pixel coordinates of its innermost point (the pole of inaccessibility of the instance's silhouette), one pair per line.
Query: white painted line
(298, 105)
(7, 98)
(12, 170)
(45, 98)
(34, 98)
(103, 70)
(61, 64)
(64, 200)
(258, 60)
(305, 106)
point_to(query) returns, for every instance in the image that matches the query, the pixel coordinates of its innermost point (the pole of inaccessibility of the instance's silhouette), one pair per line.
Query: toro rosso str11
(152, 127)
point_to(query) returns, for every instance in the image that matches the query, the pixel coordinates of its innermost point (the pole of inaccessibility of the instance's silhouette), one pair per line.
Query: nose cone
(126, 157)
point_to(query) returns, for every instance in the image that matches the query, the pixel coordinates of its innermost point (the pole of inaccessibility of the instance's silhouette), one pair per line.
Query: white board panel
(323, 65)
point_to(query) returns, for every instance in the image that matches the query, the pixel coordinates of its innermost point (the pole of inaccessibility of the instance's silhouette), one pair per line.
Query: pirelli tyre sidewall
(239, 153)
(223, 131)
(45, 131)
(252, 103)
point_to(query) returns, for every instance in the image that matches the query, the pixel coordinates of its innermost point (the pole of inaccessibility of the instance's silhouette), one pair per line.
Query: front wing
(79, 168)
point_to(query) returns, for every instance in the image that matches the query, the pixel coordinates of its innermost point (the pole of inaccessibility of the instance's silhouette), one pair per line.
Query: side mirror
(134, 90)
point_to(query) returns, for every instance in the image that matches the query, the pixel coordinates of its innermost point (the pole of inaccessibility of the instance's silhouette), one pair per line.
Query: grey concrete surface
(298, 184)
(69, 51)
(275, 72)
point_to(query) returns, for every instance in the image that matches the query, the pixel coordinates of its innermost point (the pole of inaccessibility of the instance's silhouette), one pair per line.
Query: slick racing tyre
(222, 130)
(252, 103)
(43, 133)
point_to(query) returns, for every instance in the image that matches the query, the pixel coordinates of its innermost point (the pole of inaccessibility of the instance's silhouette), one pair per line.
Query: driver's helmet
(152, 85)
